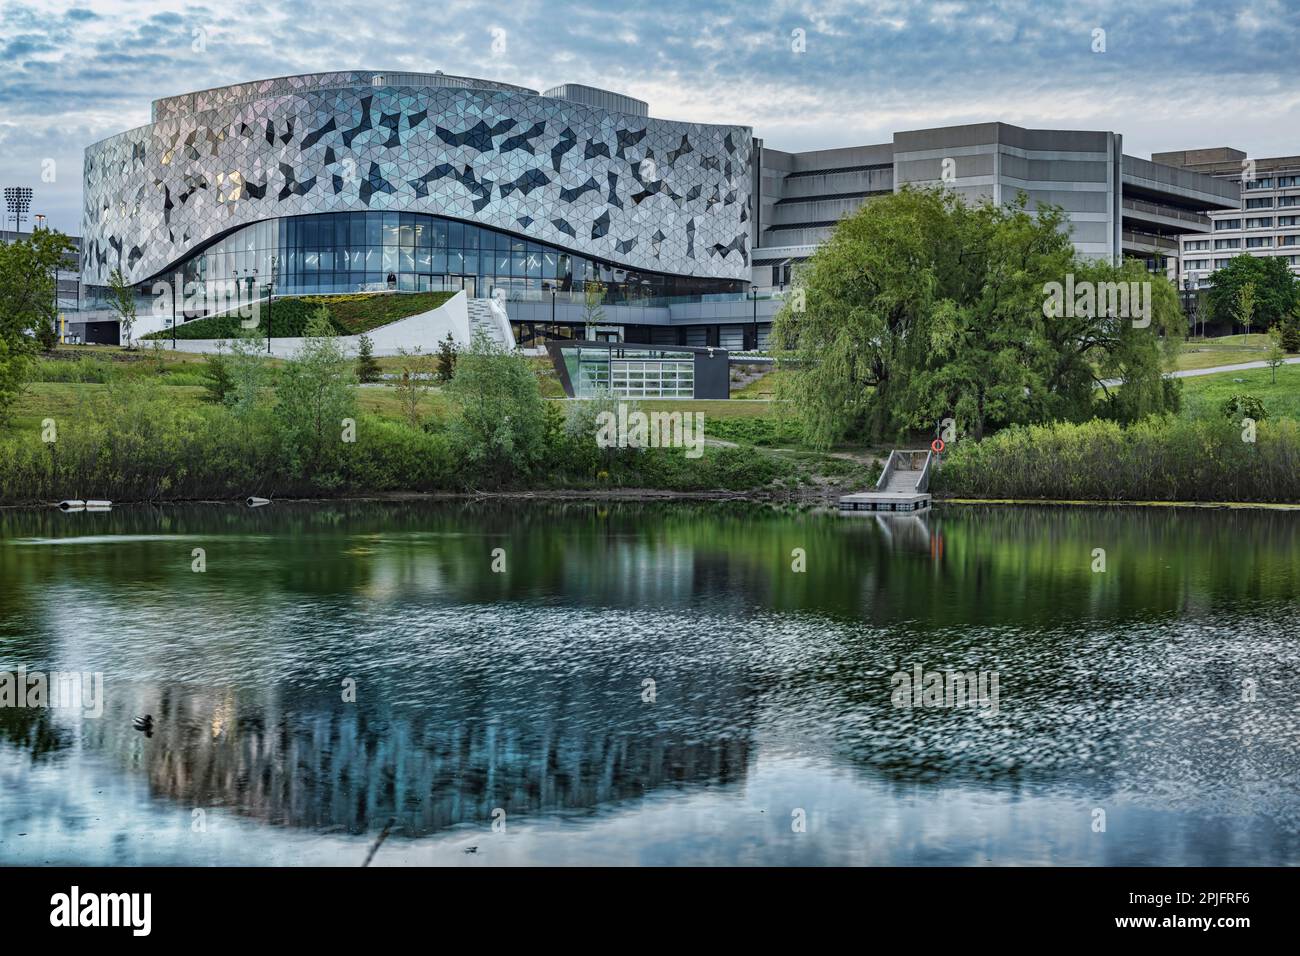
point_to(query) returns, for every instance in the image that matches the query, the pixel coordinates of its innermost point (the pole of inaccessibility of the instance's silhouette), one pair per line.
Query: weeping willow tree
(922, 307)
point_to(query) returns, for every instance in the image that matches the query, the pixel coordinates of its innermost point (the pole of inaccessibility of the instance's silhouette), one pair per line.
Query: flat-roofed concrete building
(1116, 205)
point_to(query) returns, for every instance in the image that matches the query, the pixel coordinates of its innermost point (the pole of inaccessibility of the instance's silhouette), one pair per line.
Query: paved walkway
(1213, 370)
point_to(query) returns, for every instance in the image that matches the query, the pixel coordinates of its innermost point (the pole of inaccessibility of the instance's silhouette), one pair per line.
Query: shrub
(447, 358)
(500, 430)
(367, 367)
(392, 456)
(314, 400)
(1241, 406)
(217, 378)
(1289, 332)
(353, 314)
(757, 430)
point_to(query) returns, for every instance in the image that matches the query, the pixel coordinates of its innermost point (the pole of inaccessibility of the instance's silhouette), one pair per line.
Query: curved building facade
(357, 180)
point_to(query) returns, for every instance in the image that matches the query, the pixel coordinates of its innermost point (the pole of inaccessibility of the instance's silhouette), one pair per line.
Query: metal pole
(176, 279)
(270, 295)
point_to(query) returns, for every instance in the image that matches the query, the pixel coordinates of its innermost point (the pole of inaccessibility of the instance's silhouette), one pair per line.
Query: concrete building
(1263, 222)
(1116, 204)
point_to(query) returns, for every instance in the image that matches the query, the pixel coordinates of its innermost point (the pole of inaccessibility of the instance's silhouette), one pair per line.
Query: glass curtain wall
(364, 251)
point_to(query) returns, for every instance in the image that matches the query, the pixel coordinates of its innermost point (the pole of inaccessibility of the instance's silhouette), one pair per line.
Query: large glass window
(353, 251)
(661, 379)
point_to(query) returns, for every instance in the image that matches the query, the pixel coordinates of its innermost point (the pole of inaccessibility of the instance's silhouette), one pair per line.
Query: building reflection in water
(346, 767)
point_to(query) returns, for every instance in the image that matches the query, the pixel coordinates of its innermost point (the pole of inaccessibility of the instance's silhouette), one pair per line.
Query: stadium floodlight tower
(18, 201)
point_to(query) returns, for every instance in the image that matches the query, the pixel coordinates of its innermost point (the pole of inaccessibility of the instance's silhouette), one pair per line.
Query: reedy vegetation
(277, 429)
(1160, 458)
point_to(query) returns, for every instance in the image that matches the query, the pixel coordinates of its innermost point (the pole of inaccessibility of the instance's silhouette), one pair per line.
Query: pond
(520, 681)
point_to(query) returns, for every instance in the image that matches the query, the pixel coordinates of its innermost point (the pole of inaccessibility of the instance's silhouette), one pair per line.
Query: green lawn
(712, 408)
(764, 387)
(1225, 350)
(387, 403)
(1204, 394)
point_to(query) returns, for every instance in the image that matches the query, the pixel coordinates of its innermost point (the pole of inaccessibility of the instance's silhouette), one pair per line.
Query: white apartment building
(1267, 222)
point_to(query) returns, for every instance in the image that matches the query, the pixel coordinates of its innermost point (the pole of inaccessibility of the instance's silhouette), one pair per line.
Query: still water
(651, 684)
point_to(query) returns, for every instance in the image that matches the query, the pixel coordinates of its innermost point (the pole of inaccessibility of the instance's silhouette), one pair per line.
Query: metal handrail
(923, 483)
(883, 480)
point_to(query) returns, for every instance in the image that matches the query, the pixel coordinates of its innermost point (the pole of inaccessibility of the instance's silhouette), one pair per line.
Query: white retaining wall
(425, 330)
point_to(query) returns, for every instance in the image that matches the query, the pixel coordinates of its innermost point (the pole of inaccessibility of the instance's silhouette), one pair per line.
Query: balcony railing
(1149, 239)
(1169, 212)
(623, 297)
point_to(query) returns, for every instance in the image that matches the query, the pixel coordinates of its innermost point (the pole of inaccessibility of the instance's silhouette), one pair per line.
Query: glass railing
(616, 298)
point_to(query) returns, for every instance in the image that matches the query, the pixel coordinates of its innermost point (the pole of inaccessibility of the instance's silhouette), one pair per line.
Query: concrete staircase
(906, 472)
(489, 317)
(903, 480)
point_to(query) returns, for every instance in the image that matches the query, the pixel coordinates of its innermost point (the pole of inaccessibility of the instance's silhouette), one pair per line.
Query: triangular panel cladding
(633, 191)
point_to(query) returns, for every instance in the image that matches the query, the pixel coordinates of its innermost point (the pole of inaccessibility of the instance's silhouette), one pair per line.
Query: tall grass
(1156, 459)
(93, 371)
(139, 444)
(85, 371)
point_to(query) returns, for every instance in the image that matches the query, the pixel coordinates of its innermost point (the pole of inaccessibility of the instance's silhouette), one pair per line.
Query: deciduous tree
(1276, 293)
(922, 307)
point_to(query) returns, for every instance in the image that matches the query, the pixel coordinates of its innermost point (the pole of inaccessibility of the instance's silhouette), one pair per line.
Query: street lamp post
(270, 295)
(176, 289)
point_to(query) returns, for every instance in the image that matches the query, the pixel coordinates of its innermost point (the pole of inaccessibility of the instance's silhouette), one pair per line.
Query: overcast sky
(1174, 74)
